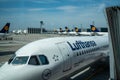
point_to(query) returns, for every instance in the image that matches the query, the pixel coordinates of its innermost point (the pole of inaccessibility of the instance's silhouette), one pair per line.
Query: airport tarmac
(8, 47)
(21, 40)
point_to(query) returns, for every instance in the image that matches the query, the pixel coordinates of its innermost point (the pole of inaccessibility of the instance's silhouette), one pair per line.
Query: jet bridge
(113, 16)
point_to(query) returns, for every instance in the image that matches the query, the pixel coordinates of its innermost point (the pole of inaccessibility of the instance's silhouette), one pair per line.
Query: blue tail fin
(61, 30)
(5, 29)
(94, 29)
(66, 29)
(77, 30)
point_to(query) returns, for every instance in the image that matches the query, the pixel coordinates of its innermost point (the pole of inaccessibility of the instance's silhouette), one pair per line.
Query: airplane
(96, 31)
(54, 58)
(4, 31)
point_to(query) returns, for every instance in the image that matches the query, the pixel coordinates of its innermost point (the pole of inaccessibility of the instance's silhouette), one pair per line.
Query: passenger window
(33, 61)
(43, 59)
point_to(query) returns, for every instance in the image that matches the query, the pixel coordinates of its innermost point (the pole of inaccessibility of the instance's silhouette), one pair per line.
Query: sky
(54, 13)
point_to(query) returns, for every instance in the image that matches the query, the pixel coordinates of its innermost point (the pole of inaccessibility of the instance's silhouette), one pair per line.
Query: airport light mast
(41, 29)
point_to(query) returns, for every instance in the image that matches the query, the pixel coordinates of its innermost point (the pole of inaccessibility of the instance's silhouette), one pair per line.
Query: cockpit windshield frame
(38, 60)
(12, 58)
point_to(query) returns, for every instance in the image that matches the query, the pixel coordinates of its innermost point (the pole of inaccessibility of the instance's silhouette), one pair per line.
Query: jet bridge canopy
(113, 16)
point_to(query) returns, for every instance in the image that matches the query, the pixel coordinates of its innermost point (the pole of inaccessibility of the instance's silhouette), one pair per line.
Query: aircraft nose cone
(2, 77)
(8, 72)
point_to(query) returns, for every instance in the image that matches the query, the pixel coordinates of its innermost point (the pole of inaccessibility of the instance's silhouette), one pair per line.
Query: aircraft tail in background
(77, 29)
(94, 29)
(67, 29)
(97, 32)
(5, 29)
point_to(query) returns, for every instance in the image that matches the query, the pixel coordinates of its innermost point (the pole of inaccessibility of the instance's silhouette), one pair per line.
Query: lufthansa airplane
(5, 30)
(97, 32)
(54, 58)
(94, 32)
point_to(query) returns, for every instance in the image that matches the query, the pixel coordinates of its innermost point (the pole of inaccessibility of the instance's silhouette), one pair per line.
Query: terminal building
(103, 29)
(36, 30)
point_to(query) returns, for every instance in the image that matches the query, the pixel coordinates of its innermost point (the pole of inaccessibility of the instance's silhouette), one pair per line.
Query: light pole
(41, 30)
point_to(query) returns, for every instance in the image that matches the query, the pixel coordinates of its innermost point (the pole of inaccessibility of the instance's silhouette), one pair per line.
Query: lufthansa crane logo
(46, 74)
(76, 30)
(6, 28)
(93, 28)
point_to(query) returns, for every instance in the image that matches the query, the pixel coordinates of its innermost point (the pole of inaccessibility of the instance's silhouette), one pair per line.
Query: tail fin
(66, 29)
(94, 29)
(61, 30)
(77, 30)
(5, 29)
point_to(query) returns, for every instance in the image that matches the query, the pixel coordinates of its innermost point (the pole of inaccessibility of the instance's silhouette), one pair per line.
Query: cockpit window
(33, 60)
(20, 60)
(43, 59)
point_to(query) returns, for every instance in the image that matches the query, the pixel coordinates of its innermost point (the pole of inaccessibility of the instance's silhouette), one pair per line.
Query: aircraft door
(64, 49)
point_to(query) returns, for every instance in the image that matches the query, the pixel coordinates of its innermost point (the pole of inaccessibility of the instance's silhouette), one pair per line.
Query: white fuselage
(56, 58)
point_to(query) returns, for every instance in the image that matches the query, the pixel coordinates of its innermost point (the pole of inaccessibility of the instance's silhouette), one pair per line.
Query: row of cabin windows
(105, 46)
(90, 50)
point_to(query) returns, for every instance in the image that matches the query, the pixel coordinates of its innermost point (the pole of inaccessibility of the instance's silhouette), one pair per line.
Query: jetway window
(20, 60)
(33, 60)
(43, 59)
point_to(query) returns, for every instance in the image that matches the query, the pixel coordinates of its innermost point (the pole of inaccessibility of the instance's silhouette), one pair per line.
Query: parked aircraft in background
(20, 31)
(97, 32)
(94, 31)
(4, 32)
(67, 31)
